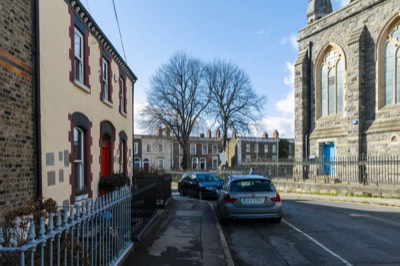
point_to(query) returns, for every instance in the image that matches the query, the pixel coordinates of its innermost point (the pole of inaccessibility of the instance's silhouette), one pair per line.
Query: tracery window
(391, 61)
(331, 83)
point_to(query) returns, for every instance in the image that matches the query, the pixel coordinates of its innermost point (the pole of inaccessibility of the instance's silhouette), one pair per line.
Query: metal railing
(363, 169)
(149, 195)
(96, 232)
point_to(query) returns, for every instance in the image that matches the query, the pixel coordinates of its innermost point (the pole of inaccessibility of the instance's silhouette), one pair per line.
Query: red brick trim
(86, 52)
(80, 120)
(108, 58)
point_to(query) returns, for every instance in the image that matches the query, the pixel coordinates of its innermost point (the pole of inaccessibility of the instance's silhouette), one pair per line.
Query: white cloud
(265, 32)
(286, 105)
(138, 107)
(292, 40)
(269, 124)
(284, 123)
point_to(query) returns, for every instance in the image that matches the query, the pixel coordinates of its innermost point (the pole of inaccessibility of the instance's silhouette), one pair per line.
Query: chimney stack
(218, 134)
(276, 134)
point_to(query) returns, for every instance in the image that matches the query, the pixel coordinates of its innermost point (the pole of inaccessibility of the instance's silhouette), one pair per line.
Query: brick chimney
(218, 134)
(276, 134)
(265, 135)
(209, 134)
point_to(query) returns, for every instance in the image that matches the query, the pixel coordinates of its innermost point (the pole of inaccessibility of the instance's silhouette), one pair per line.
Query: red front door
(105, 156)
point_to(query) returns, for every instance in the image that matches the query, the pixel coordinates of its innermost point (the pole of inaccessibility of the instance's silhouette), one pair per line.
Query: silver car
(249, 197)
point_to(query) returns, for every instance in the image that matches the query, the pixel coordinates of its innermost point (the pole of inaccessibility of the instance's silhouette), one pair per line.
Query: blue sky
(257, 35)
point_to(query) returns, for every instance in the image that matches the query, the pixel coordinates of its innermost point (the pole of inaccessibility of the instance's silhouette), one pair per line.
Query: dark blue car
(200, 184)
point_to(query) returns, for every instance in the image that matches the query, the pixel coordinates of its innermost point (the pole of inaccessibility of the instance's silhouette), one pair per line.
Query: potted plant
(106, 185)
(110, 183)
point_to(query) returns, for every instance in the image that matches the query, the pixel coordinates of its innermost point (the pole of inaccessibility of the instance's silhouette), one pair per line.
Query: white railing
(96, 232)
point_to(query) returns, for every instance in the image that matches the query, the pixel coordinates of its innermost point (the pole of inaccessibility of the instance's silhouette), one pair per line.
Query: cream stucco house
(86, 92)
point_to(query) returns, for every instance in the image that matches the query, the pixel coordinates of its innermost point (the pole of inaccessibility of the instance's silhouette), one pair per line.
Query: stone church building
(347, 80)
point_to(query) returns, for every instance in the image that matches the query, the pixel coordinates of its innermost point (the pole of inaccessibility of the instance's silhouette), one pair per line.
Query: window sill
(81, 197)
(106, 102)
(82, 86)
(123, 114)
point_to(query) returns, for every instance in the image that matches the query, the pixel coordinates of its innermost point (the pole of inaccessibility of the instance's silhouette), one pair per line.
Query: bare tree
(177, 99)
(234, 103)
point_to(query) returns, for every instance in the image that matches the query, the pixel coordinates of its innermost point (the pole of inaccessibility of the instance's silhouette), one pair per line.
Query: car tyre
(181, 192)
(221, 219)
(277, 220)
(201, 196)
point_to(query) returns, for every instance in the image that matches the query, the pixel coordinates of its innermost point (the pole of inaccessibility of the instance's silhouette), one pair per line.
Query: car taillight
(277, 198)
(228, 199)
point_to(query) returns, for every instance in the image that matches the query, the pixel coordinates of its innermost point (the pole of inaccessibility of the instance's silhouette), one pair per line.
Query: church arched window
(391, 76)
(330, 83)
(388, 65)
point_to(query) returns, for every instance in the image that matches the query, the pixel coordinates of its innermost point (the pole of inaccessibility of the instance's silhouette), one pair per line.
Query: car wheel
(221, 219)
(181, 192)
(277, 220)
(201, 196)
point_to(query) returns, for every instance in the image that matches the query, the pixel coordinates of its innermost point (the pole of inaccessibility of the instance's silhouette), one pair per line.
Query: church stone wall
(356, 29)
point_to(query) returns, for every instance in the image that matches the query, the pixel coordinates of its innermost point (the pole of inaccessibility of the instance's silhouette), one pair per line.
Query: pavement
(187, 232)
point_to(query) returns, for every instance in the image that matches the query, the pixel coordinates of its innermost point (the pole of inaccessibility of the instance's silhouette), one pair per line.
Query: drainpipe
(38, 132)
(309, 91)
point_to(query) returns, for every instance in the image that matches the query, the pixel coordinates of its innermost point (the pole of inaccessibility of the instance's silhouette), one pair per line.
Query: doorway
(328, 153)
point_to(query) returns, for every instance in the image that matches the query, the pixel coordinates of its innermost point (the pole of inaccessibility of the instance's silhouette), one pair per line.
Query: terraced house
(66, 107)
(86, 107)
(347, 80)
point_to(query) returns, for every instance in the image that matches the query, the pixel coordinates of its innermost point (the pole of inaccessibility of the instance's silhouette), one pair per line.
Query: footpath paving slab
(186, 234)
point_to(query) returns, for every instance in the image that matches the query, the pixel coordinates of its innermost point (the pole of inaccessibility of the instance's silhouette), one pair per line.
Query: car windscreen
(208, 178)
(252, 185)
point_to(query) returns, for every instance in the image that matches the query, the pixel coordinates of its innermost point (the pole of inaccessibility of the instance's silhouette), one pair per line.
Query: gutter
(38, 132)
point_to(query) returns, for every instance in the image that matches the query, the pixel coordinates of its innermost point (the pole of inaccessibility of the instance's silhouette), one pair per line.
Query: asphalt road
(315, 232)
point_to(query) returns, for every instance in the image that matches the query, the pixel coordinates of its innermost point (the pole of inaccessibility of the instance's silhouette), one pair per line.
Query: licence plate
(253, 200)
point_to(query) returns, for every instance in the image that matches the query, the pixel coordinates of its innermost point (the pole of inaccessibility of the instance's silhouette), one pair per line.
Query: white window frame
(121, 156)
(214, 163)
(192, 148)
(248, 158)
(215, 149)
(204, 149)
(160, 148)
(78, 59)
(266, 148)
(161, 164)
(273, 148)
(248, 148)
(122, 96)
(135, 148)
(79, 163)
(105, 79)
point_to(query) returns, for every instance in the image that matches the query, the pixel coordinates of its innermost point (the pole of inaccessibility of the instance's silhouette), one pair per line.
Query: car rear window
(251, 185)
(208, 178)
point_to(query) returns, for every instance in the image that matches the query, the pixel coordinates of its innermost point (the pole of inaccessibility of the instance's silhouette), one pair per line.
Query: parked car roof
(243, 177)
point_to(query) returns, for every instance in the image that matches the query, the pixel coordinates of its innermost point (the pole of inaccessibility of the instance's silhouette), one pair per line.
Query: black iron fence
(363, 169)
(150, 192)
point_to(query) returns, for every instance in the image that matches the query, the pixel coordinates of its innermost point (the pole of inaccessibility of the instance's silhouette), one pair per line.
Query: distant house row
(162, 151)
